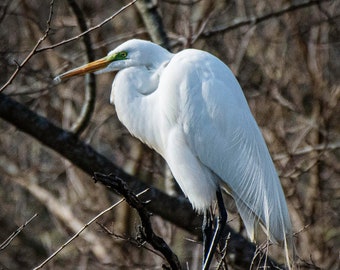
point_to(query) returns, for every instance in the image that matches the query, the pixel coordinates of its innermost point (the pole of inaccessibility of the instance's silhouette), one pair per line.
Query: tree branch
(33, 51)
(153, 22)
(90, 79)
(259, 19)
(88, 30)
(146, 232)
(176, 210)
(14, 234)
(77, 234)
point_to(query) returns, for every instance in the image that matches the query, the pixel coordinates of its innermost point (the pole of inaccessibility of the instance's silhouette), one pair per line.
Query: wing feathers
(220, 131)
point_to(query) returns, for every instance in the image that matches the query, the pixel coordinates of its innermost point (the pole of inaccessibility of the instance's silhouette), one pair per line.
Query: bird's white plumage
(190, 108)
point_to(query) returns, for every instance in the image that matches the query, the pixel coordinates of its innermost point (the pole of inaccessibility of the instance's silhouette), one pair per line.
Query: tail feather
(277, 229)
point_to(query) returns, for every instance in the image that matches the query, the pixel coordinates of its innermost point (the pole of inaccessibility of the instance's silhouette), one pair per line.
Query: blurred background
(288, 64)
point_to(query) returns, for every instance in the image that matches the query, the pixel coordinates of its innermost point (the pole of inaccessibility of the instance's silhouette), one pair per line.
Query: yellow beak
(90, 67)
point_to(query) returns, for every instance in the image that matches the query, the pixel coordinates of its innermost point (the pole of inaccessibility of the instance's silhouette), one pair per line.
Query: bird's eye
(123, 54)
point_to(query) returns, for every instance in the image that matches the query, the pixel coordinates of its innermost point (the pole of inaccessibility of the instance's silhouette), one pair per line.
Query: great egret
(190, 108)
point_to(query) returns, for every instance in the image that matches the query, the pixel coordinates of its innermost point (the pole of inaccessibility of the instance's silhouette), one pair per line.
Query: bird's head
(131, 53)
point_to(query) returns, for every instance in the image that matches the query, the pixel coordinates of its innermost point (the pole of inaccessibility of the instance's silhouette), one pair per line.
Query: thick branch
(86, 158)
(175, 210)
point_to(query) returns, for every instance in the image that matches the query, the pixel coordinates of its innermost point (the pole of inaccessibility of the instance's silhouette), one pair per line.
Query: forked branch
(147, 234)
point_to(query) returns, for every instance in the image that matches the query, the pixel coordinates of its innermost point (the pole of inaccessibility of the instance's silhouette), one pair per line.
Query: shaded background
(288, 66)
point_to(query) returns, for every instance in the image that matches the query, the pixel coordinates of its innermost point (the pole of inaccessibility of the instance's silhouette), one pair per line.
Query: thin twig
(308, 149)
(15, 233)
(80, 231)
(33, 51)
(202, 28)
(129, 239)
(224, 254)
(256, 20)
(88, 30)
(146, 232)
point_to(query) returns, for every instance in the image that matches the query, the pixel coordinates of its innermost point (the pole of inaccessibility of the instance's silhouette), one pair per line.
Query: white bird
(190, 108)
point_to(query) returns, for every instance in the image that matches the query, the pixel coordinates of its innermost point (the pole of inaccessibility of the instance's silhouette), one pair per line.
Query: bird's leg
(207, 233)
(219, 227)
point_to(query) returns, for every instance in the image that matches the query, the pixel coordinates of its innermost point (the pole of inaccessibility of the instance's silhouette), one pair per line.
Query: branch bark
(146, 232)
(153, 22)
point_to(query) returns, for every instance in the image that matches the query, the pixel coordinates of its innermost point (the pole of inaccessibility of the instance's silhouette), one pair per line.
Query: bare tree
(285, 57)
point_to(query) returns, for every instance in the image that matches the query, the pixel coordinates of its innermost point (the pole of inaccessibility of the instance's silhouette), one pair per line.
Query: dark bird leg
(219, 226)
(207, 231)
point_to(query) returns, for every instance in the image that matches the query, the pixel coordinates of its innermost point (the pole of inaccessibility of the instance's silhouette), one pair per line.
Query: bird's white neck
(133, 92)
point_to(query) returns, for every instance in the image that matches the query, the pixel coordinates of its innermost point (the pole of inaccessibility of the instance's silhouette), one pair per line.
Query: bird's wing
(221, 133)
